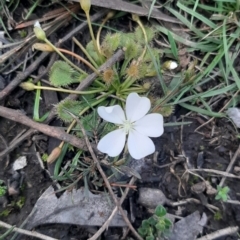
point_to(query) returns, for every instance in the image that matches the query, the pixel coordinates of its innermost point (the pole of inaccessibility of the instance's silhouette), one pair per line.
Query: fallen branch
(230, 175)
(19, 117)
(21, 76)
(26, 232)
(220, 233)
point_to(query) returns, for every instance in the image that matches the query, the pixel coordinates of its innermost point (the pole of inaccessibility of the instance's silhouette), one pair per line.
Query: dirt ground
(196, 150)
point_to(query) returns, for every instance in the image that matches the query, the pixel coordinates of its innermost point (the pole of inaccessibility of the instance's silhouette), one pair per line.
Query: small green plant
(45, 157)
(218, 216)
(3, 188)
(156, 226)
(222, 193)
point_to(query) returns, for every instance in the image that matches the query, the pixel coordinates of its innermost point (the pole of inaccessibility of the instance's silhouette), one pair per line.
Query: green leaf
(173, 45)
(150, 238)
(75, 107)
(139, 36)
(160, 211)
(201, 110)
(145, 224)
(168, 223)
(152, 221)
(62, 74)
(161, 227)
(142, 231)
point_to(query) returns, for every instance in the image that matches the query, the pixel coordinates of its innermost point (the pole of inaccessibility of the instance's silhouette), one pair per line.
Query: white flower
(136, 124)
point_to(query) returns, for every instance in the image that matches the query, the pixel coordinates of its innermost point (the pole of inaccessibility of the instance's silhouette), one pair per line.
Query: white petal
(139, 145)
(113, 114)
(37, 24)
(136, 107)
(150, 125)
(113, 143)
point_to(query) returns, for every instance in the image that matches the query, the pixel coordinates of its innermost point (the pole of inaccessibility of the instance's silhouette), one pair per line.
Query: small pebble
(151, 198)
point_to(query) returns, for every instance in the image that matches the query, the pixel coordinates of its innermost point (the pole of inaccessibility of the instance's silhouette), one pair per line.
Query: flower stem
(67, 90)
(91, 33)
(137, 19)
(85, 52)
(81, 59)
(109, 15)
(134, 89)
(68, 61)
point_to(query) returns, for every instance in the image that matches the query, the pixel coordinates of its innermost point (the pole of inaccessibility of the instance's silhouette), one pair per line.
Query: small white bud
(37, 24)
(40, 34)
(173, 65)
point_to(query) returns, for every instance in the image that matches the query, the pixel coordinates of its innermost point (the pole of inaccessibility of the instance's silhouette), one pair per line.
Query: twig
(236, 202)
(105, 179)
(19, 117)
(6, 147)
(106, 224)
(16, 141)
(229, 168)
(89, 80)
(221, 110)
(219, 233)
(21, 76)
(29, 233)
(216, 172)
(168, 164)
(190, 200)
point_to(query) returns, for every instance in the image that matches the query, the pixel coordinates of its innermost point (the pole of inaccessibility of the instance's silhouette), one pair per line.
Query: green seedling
(218, 216)
(156, 226)
(45, 157)
(222, 193)
(3, 188)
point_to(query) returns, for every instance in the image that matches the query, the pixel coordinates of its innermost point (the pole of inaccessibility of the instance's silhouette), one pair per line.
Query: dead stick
(21, 76)
(229, 168)
(29, 233)
(219, 233)
(106, 180)
(106, 224)
(230, 175)
(19, 117)
(17, 142)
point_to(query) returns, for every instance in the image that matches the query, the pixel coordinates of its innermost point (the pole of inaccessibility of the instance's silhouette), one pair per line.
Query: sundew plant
(115, 88)
(112, 90)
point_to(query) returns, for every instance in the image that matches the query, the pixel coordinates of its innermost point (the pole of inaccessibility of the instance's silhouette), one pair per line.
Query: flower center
(127, 126)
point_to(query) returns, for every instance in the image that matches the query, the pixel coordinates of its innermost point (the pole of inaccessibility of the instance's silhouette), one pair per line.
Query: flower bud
(54, 155)
(169, 65)
(40, 34)
(110, 14)
(27, 86)
(85, 5)
(42, 47)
